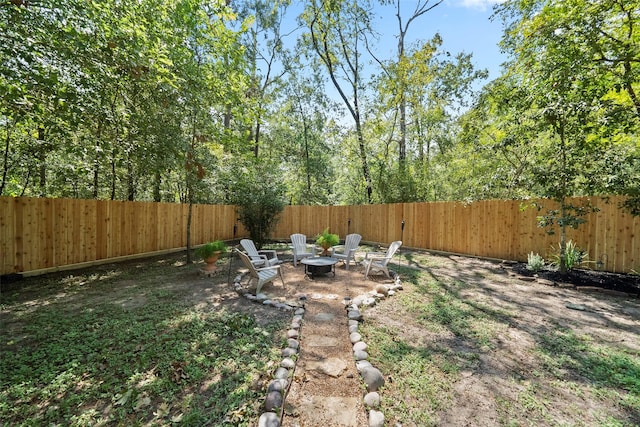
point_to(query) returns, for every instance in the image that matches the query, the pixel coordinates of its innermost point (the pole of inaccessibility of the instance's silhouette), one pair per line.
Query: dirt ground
(588, 307)
(584, 302)
(315, 398)
(609, 316)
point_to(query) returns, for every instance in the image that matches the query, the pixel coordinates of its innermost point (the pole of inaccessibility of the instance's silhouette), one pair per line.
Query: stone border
(371, 376)
(279, 385)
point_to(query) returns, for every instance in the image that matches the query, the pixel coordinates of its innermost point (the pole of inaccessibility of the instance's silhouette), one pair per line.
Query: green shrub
(535, 262)
(259, 197)
(208, 249)
(574, 256)
(327, 239)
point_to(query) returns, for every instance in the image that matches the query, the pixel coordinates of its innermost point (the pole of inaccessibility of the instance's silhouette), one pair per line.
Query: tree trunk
(563, 212)
(131, 190)
(42, 164)
(191, 175)
(113, 174)
(5, 154)
(189, 215)
(402, 143)
(363, 161)
(306, 153)
(629, 87)
(256, 138)
(157, 182)
(351, 60)
(96, 161)
(563, 243)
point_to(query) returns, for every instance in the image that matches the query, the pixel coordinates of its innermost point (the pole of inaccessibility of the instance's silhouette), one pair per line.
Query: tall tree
(559, 61)
(337, 30)
(396, 72)
(499, 131)
(437, 86)
(37, 88)
(103, 65)
(301, 136)
(210, 70)
(264, 42)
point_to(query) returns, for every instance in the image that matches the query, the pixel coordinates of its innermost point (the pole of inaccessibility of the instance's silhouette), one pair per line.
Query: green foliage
(301, 138)
(573, 256)
(208, 249)
(109, 354)
(535, 262)
(258, 194)
(569, 215)
(572, 59)
(100, 99)
(336, 30)
(148, 100)
(327, 239)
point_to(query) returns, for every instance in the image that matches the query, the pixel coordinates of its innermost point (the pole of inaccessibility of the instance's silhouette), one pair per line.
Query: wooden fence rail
(44, 234)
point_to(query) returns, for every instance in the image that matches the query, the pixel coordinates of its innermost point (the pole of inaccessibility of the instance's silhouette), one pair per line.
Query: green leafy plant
(210, 248)
(259, 197)
(139, 362)
(568, 215)
(535, 262)
(573, 255)
(327, 239)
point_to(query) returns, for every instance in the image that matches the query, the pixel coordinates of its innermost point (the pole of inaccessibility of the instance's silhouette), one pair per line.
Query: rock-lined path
(326, 388)
(324, 378)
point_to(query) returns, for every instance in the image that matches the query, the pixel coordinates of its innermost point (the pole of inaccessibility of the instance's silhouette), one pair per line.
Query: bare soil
(586, 303)
(601, 305)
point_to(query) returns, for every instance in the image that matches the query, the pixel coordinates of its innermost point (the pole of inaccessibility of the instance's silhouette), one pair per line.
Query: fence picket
(39, 234)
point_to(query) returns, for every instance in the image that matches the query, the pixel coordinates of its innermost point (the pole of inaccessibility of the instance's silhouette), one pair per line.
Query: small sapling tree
(259, 196)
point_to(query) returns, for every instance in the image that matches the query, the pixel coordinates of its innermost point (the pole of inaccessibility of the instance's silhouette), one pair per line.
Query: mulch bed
(580, 278)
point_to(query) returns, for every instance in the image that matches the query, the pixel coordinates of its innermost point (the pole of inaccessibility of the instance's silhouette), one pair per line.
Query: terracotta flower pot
(210, 262)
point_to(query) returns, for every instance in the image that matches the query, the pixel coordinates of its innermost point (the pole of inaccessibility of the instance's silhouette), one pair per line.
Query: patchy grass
(128, 346)
(153, 343)
(467, 345)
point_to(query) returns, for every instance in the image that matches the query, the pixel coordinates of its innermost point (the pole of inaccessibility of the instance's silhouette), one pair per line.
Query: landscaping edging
(279, 385)
(372, 378)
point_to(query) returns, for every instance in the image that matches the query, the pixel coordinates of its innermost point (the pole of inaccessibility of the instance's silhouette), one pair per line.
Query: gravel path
(324, 378)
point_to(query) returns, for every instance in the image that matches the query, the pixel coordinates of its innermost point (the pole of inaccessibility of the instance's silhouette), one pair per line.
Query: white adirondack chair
(300, 248)
(346, 252)
(260, 258)
(378, 261)
(263, 274)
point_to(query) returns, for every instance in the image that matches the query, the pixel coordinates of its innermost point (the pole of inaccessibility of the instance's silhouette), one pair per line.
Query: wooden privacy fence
(500, 229)
(37, 234)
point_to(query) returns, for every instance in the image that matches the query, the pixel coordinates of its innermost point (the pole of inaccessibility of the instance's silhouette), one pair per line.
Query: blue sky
(464, 26)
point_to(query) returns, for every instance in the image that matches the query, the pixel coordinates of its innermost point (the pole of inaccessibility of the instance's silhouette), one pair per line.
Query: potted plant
(210, 252)
(327, 240)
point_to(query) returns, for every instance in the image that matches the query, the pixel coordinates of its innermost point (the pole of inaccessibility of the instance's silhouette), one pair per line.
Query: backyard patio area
(465, 342)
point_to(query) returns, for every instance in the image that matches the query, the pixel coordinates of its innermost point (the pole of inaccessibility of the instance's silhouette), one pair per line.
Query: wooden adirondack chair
(347, 251)
(262, 274)
(260, 258)
(378, 261)
(300, 248)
